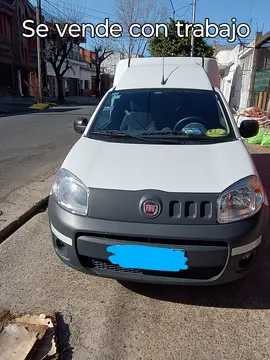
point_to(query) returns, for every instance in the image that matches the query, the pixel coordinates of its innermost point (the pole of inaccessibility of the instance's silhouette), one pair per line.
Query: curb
(21, 112)
(10, 229)
(29, 111)
(7, 113)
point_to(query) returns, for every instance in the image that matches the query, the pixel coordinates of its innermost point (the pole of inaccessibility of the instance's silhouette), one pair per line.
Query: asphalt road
(32, 146)
(112, 321)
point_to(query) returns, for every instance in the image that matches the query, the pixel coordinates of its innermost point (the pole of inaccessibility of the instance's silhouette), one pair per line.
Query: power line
(245, 46)
(87, 8)
(67, 16)
(76, 11)
(250, 11)
(87, 14)
(172, 8)
(55, 7)
(189, 6)
(183, 7)
(88, 31)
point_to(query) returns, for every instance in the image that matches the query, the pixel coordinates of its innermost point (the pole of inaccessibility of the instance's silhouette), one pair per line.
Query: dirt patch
(27, 337)
(5, 318)
(257, 149)
(48, 336)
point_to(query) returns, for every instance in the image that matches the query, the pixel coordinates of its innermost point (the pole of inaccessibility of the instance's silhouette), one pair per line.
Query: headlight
(241, 200)
(71, 193)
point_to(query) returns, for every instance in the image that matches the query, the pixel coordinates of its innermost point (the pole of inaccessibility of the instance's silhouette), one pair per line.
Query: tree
(173, 45)
(57, 48)
(101, 53)
(129, 12)
(33, 87)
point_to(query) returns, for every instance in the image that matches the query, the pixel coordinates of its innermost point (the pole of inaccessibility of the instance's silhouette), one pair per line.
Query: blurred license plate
(147, 257)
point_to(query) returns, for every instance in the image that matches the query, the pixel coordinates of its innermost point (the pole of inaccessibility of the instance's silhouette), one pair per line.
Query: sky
(255, 13)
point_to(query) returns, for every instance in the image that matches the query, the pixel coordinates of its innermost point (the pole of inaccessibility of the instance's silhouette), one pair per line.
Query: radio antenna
(163, 70)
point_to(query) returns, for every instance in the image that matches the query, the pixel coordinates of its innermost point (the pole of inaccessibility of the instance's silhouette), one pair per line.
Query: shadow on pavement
(45, 111)
(63, 337)
(251, 292)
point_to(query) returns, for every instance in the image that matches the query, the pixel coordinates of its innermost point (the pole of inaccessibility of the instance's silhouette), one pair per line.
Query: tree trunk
(97, 81)
(59, 80)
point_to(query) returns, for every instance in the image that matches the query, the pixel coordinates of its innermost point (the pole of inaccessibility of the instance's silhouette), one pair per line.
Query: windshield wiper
(116, 133)
(185, 136)
(162, 133)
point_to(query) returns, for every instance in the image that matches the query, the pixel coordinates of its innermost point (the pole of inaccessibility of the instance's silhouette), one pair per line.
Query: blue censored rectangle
(147, 258)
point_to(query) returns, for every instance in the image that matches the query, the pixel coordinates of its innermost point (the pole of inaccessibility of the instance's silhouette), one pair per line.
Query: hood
(209, 168)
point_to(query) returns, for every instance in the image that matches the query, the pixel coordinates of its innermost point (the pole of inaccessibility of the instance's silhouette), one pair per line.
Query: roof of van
(183, 77)
(180, 72)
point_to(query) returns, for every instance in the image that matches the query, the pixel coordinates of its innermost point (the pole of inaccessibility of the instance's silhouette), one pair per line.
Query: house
(7, 78)
(220, 47)
(245, 74)
(18, 55)
(77, 80)
(108, 67)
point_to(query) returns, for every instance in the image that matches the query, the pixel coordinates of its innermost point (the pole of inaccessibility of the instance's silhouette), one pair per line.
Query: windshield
(169, 115)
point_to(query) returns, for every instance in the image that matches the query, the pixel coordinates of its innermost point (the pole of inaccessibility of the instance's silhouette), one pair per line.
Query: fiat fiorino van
(160, 187)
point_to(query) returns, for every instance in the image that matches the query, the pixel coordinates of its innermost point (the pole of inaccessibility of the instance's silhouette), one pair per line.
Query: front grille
(152, 240)
(190, 210)
(196, 273)
(176, 207)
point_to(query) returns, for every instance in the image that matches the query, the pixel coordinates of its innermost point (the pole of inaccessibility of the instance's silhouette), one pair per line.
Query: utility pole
(256, 50)
(193, 22)
(38, 18)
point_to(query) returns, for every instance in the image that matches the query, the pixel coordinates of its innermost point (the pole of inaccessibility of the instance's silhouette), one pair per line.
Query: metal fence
(262, 100)
(262, 89)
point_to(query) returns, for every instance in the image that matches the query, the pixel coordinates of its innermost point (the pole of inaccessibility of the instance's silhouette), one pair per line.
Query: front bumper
(214, 252)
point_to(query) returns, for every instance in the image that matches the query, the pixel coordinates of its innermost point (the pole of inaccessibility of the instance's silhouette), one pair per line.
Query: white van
(160, 187)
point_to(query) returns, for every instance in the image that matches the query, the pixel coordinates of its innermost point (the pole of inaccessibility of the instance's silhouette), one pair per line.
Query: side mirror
(248, 128)
(80, 124)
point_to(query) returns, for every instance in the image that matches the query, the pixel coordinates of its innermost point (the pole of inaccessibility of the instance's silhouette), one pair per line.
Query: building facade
(7, 80)
(245, 74)
(77, 80)
(108, 68)
(18, 55)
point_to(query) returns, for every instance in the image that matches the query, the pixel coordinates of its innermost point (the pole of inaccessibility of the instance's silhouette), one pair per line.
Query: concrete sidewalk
(105, 319)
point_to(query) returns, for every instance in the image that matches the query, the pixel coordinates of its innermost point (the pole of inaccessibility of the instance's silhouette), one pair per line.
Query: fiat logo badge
(151, 208)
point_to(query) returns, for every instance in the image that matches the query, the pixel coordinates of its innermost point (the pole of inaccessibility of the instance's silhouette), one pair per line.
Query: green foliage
(42, 106)
(50, 104)
(174, 45)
